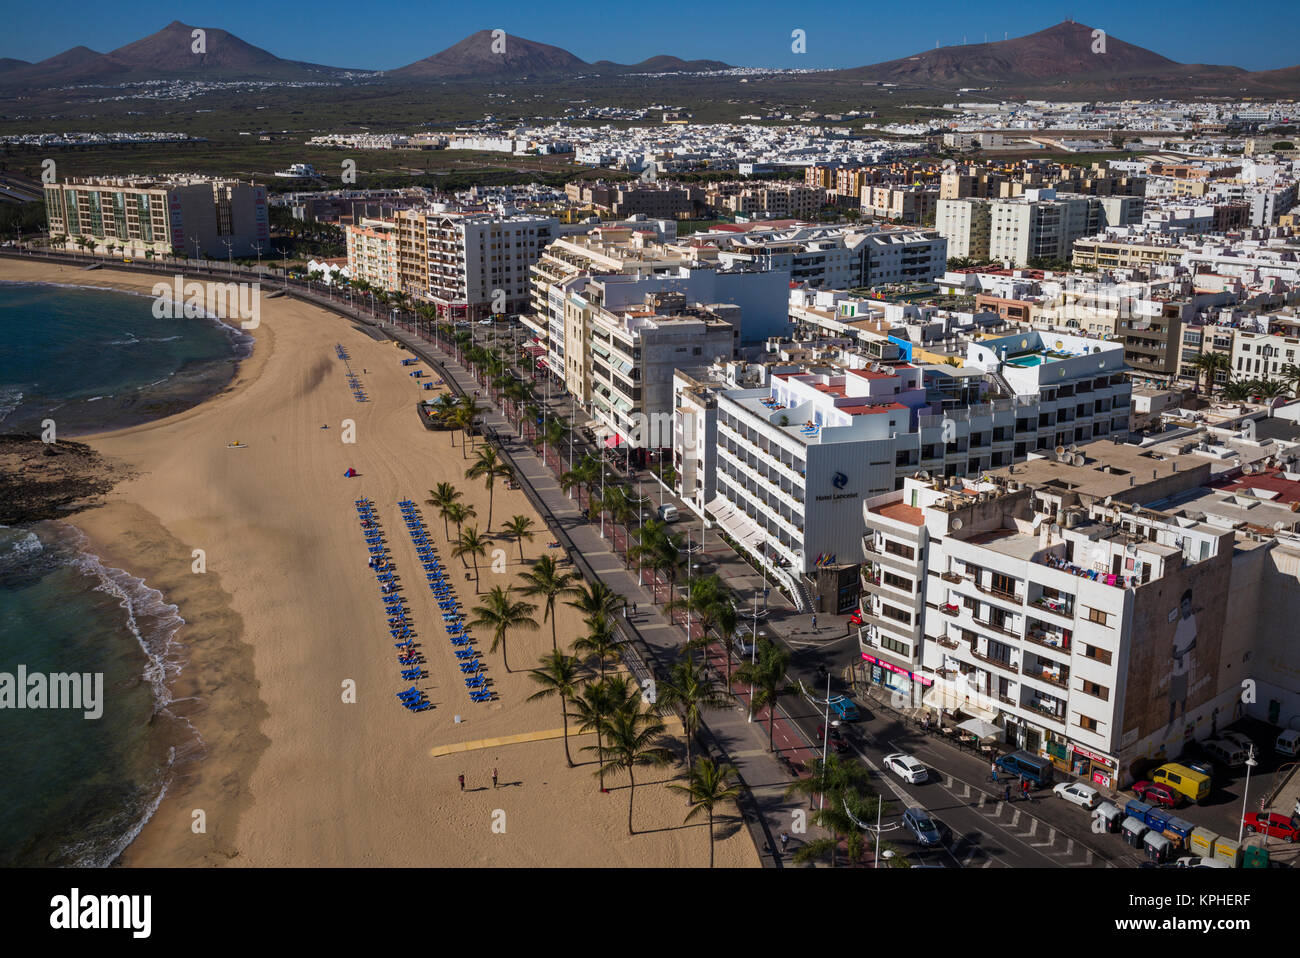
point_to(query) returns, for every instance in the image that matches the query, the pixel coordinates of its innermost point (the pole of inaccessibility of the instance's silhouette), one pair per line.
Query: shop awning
(982, 730)
(947, 698)
(612, 441)
(535, 351)
(541, 364)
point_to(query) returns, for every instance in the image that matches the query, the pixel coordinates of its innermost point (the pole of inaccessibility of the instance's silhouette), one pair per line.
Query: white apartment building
(1040, 224)
(1263, 355)
(1052, 619)
(835, 257)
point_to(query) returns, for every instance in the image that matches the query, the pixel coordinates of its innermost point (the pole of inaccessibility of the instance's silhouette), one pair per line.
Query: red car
(856, 617)
(1274, 825)
(836, 739)
(1155, 793)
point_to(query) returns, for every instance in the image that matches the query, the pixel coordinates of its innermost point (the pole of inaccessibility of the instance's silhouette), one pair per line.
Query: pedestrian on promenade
(993, 771)
(634, 608)
(1024, 788)
(1006, 792)
(814, 623)
(494, 778)
(785, 840)
(462, 781)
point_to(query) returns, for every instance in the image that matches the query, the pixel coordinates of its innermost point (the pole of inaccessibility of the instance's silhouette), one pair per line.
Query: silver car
(925, 828)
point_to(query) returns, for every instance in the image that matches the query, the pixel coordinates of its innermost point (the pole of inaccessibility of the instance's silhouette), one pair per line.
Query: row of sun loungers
(354, 381)
(399, 624)
(453, 615)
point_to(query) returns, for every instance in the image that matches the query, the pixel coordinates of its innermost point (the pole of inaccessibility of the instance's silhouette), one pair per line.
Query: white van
(1288, 743)
(1225, 752)
(668, 513)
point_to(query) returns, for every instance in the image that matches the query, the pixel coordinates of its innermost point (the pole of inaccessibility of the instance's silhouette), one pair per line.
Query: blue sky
(383, 34)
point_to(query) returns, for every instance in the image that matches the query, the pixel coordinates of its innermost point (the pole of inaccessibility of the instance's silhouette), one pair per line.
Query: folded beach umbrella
(350, 473)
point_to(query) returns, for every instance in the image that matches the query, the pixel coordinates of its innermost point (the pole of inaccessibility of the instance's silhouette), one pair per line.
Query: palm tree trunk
(710, 837)
(489, 522)
(476, 574)
(505, 658)
(600, 752)
(564, 713)
(521, 550)
(554, 646)
(631, 794)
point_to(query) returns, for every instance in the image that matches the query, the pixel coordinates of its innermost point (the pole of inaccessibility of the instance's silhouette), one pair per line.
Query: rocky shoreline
(40, 480)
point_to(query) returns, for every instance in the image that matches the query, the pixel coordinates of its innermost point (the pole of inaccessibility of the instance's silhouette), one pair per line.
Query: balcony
(1056, 606)
(1061, 679)
(996, 628)
(1049, 640)
(952, 577)
(948, 643)
(999, 594)
(1046, 712)
(1011, 667)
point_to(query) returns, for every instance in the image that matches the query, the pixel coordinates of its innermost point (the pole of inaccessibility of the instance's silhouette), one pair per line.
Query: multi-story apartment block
(1263, 355)
(372, 253)
(836, 257)
(160, 215)
(470, 264)
(1038, 225)
(904, 204)
(621, 200)
(1125, 252)
(774, 201)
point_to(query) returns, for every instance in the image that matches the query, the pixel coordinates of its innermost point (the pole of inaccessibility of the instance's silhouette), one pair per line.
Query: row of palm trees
(1209, 365)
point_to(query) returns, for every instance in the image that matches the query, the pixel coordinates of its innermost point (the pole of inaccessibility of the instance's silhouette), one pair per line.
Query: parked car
(835, 739)
(925, 828)
(1288, 743)
(1154, 794)
(844, 708)
(1240, 740)
(1079, 794)
(855, 618)
(907, 768)
(1273, 825)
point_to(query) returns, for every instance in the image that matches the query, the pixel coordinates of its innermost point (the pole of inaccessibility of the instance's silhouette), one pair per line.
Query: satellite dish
(1054, 529)
(1279, 526)
(956, 523)
(1107, 500)
(1079, 460)
(1060, 450)
(923, 475)
(1131, 549)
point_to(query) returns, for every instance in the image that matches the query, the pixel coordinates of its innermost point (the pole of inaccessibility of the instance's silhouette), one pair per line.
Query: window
(1100, 655)
(893, 645)
(898, 582)
(1004, 585)
(1095, 690)
(1090, 724)
(902, 551)
(1095, 615)
(898, 615)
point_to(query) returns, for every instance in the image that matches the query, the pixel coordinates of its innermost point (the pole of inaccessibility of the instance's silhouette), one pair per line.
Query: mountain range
(1067, 59)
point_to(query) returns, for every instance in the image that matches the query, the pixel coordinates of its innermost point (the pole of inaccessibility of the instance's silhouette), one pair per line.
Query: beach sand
(287, 613)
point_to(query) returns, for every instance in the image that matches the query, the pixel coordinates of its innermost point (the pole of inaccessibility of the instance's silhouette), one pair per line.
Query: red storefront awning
(535, 351)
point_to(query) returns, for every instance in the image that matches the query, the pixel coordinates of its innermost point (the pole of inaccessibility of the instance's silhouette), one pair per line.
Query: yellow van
(1183, 780)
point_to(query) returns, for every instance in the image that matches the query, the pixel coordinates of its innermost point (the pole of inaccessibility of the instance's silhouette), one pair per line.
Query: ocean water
(75, 791)
(92, 360)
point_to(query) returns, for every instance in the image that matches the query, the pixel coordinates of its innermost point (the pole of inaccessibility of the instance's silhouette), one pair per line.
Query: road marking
(965, 791)
(983, 799)
(1015, 818)
(1051, 835)
(949, 778)
(998, 811)
(1033, 826)
(1069, 846)
(1087, 852)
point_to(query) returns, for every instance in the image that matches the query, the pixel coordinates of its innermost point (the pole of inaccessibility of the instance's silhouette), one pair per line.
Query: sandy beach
(287, 613)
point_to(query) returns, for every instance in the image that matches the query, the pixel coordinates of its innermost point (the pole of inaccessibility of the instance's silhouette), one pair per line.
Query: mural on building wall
(1174, 661)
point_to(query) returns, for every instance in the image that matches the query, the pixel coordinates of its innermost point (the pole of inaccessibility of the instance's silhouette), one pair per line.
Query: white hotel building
(1049, 620)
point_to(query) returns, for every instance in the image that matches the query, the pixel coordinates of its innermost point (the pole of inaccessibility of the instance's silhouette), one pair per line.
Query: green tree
(767, 675)
(632, 737)
(521, 528)
(1207, 364)
(545, 580)
(708, 785)
(500, 613)
(470, 543)
(443, 498)
(489, 468)
(596, 598)
(459, 513)
(690, 689)
(559, 675)
(600, 642)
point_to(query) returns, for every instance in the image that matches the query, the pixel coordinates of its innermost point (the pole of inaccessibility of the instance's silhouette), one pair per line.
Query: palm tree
(545, 579)
(707, 786)
(690, 688)
(443, 498)
(489, 468)
(598, 701)
(726, 621)
(596, 598)
(766, 673)
(847, 800)
(521, 528)
(1290, 375)
(463, 419)
(459, 513)
(659, 550)
(1207, 364)
(559, 675)
(601, 641)
(470, 543)
(501, 614)
(1239, 390)
(700, 602)
(631, 737)
(1269, 388)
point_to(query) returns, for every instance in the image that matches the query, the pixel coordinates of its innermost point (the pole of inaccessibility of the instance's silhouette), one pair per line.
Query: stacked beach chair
(399, 624)
(453, 615)
(354, 381)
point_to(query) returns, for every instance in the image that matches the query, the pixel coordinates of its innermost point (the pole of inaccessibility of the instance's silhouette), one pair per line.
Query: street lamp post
(753, 647)
(1250, 763)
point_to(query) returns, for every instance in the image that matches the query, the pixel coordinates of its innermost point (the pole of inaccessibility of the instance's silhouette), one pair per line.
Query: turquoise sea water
(75, 791)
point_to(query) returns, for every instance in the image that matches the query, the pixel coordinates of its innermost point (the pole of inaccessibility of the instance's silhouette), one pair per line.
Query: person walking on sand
(494, 778)
(462, 781)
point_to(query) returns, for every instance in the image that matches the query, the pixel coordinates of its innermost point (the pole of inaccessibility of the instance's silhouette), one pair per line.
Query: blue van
(844, 708)
(1023, 764)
